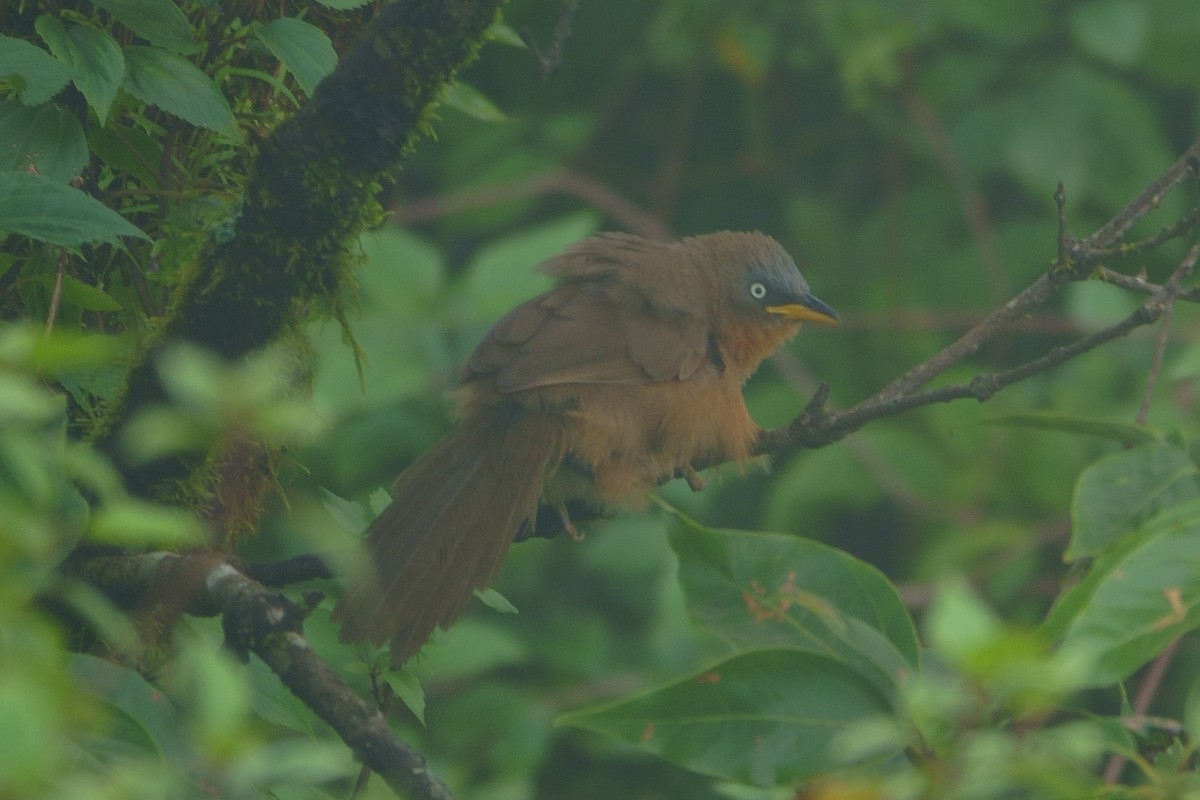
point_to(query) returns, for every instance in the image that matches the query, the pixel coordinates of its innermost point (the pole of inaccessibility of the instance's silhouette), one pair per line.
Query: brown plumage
(624, 374)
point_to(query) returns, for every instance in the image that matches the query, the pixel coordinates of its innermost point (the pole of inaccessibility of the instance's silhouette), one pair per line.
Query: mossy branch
(315, 188)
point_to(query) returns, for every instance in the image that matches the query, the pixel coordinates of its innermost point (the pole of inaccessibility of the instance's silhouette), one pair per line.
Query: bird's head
(760, 280)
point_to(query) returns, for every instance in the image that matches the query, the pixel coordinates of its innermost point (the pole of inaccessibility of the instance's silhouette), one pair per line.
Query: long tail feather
(453, 514)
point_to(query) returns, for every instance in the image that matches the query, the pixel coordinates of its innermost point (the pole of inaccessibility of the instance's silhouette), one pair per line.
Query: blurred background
(907, 155)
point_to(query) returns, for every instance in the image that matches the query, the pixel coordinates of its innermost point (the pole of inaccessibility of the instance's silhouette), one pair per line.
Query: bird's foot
(694, 481)
(569, 526)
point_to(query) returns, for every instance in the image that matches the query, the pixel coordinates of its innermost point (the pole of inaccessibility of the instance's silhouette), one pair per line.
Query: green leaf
(496, 601)
(97, 64)
(756, 589)
(1112, 30)
(42, 209)
(343, 5)
(303, 48)
(406, 687)
(159, 22)
(765, 717)
(346, 513)
(92, 298)
(128, 692)
(500, 33)
(1114, 430)
(501, 273)
(1116, 494)
(137, 523)
(41, 74)
(174, 84)
(45, 140)
(127, 149)
(1137, 598)
(471, 101)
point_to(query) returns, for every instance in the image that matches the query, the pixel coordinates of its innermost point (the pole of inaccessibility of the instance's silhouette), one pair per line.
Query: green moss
(316, 187)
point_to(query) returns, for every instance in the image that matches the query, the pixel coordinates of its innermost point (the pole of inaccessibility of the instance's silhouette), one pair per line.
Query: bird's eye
(758, 291)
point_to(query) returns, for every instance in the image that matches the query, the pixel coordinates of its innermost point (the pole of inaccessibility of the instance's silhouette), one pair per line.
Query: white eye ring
(758, 291)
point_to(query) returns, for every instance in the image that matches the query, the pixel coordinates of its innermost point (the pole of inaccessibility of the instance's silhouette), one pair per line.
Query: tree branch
(1078, 260)
(269, 625)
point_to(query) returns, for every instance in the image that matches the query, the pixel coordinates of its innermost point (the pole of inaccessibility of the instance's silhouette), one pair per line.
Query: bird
(623, 375)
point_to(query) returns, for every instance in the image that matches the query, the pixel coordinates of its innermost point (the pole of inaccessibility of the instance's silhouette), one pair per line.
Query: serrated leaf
(42, 209)
(755, 589)
(1136, 598)
(472, 102)
(97, 64)
(41, 74)
(46, 140)
(171, 82)
(764, 717)
(1116, 494)
(1114, 430)
(303, 48)
(159, 22)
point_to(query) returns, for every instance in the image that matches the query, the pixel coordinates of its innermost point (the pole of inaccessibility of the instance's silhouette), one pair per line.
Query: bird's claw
(694, 481)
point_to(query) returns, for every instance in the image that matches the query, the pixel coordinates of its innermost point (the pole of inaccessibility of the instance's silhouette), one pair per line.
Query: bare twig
(573, 184)
(1150, 198)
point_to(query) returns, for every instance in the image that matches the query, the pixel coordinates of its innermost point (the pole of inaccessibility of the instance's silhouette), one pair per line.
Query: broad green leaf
(92, 298)
(343, 5)
(1137, 598)
(122, 688)
(1114, 430)
(171, 82)
(127, 149)
(41, 75)
(765, 717)
(137, 523)
(1112, 30)
(1116, 494)
(472, 102)
(502, 274)
(24, 400)
(303, 48)
(756, 589)
(45, 140)
(97, 64)
(159, 22)
(37, 207)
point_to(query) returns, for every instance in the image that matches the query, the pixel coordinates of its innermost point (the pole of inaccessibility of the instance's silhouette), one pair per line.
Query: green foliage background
(905, 153)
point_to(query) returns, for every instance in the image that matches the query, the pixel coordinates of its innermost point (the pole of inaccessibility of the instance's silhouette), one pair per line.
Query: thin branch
(1150, 198)
(257, 620)
(569, 182)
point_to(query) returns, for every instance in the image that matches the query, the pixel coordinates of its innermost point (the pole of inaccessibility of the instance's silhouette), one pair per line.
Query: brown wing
(600, 331)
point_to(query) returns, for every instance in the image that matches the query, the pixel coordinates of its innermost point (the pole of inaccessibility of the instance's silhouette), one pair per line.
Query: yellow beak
(808, 309)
